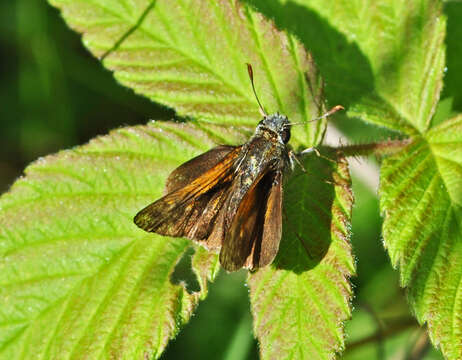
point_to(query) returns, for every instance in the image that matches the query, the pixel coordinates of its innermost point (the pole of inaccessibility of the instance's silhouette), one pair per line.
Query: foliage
(72, 259)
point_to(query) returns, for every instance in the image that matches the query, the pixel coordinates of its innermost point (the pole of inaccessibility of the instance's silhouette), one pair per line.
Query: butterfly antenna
(330, 112)
(327, 114)
(250, 71)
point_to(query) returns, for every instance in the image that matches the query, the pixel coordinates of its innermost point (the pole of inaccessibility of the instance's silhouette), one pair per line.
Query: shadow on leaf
(345, 69)
(312, 215)
(183, 273)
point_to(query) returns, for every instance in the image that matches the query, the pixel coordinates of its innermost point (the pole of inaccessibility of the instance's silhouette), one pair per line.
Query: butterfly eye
(285, 135)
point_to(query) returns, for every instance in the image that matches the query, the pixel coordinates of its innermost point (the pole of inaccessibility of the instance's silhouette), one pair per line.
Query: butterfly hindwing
(252, 239)
(239, 232)
(268, 246)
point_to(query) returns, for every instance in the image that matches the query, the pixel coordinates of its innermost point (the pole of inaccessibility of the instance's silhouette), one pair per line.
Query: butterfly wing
(237, 243)
(253, 237)
(192, 169)
(267, 241)
(196, 198)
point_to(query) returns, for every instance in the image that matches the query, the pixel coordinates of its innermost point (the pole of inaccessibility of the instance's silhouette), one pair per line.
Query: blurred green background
(55, 95)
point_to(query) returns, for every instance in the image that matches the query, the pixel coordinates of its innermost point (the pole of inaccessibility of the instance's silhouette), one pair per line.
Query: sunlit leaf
(191, 55)
(77, 277)
(421, 197)
(385, 61)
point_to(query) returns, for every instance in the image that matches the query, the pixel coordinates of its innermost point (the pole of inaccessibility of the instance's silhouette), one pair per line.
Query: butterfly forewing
(203, 226)
(176, 213)
(192, 169)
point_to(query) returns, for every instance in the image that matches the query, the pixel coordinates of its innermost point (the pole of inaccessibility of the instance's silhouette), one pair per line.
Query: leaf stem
(388, 147)
(390, 330)
(421, 346)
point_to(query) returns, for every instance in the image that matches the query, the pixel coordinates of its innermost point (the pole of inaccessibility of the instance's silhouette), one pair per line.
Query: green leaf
(421, 197)
(191, 55)
(383, 60)
(300, 302)
(407, 59)
(77, 277)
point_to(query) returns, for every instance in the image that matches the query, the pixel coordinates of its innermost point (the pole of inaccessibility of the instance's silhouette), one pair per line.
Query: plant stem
(390, 330)
(420, 347)
(388, 147)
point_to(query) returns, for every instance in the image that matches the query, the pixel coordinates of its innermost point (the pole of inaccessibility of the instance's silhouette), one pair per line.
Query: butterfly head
(278, 124)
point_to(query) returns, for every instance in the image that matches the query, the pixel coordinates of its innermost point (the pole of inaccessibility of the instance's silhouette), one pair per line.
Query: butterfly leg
(316, 151)
(294, 159)
(310, 150)
(318, 154)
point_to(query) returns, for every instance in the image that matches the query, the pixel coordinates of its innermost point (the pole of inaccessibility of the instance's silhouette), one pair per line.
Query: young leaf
(76, 275)
(191, 55)
(421, 197)
(300, 302)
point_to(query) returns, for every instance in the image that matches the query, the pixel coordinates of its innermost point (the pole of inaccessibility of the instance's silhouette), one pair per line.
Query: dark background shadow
(54, 94)
(453, 77)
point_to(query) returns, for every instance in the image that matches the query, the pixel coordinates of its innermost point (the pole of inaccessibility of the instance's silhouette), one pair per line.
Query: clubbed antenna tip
(250, 71)
(327, 114)
(333, 110)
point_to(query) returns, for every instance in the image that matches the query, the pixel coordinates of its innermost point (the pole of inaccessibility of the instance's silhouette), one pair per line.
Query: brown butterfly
(230, 198)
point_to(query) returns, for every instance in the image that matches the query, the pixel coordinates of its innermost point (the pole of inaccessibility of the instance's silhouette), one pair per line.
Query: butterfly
(230, 198)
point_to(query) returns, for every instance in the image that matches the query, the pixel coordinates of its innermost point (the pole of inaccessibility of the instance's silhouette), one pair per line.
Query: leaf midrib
(301, 285)
(438, 169)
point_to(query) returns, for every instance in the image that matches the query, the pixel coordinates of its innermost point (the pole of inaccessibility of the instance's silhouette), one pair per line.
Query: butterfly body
(229, 199)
